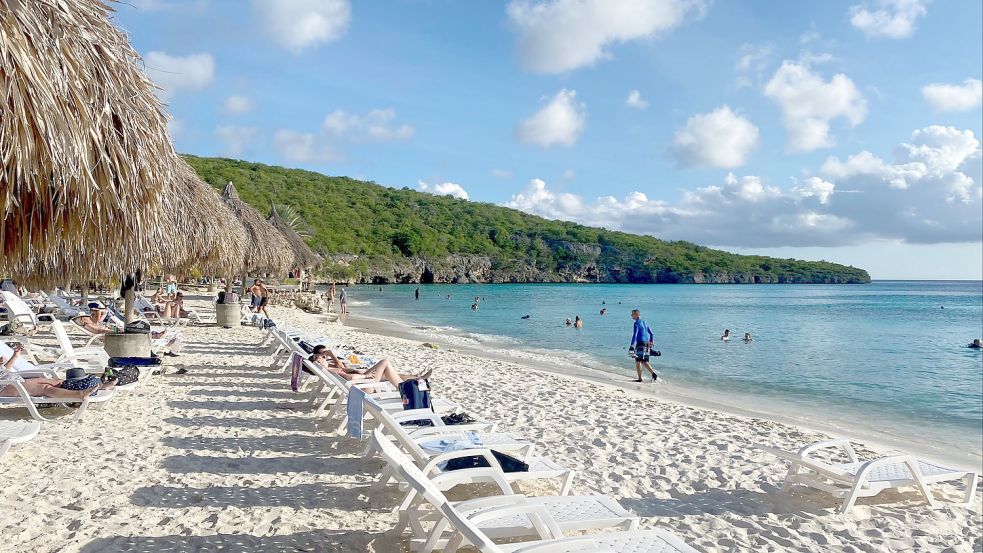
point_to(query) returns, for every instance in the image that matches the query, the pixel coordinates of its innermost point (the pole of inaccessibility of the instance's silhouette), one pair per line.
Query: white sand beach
(227, 458)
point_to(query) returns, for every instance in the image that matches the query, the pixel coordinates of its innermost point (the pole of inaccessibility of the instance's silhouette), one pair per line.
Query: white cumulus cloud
(237, 105)
(809, 103)
(375, 126)
(444, 189)
(176, 73)
(558, 123)
(930, 194)
(555, 36)
(635, 100)
(720, 138)
(300, 24)
(888, 18)
(954, 97)
(235, 138)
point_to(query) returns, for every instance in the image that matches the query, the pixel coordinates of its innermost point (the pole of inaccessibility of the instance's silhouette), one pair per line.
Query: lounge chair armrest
(478, 475)
(414, 415)
(444, 432)
(537, 514)
(38, 373)
(492, 501)
(843, 445)
(459, 454)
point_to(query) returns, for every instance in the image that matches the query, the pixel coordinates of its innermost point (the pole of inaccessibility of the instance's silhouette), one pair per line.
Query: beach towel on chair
(296, 364)
(355, 412)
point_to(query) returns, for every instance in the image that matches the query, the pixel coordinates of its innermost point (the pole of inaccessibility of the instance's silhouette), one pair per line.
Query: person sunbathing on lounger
(39, 387)
(378, 372)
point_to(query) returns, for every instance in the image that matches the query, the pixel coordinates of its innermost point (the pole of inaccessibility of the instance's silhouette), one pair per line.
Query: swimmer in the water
(568, 322)
(726, 336)
(525, 317)
(578, 322)
(747, 337)
(976, 344)
(603, 311)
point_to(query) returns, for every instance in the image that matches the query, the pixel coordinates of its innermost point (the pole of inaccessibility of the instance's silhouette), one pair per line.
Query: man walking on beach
(641, 343)
(261, 297)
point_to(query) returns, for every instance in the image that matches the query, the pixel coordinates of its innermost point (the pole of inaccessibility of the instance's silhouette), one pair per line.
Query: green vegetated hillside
(371, 233)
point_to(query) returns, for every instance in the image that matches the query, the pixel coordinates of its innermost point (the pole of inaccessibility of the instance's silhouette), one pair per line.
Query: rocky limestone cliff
(462, 269)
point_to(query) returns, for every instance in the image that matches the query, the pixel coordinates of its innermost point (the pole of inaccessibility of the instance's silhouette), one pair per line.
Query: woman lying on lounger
(40, 387)
(378, 372)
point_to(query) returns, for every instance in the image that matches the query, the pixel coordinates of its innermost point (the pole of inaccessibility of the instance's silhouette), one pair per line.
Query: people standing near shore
(261, 297)
(641, 344)
(417, 293)
(329, 295)
(726, 336)
(343, 301)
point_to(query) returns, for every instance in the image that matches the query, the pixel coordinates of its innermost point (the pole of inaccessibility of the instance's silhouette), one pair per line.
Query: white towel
(355, 412)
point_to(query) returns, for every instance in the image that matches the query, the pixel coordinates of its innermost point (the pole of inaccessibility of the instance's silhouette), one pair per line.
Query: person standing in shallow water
(641, 344)
(417, 293)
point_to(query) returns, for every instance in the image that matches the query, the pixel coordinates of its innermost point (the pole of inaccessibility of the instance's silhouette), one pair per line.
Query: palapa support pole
(128, 299)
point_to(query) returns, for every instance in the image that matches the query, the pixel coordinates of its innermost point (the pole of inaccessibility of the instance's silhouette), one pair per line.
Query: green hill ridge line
(370, 233)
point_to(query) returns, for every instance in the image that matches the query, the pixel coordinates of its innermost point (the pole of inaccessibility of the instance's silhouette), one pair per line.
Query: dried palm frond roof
(303, 256)
(83, 141)
(203, 233)
(266, 249)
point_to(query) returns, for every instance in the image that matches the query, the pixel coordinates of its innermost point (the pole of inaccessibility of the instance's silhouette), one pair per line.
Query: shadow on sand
(313, 541)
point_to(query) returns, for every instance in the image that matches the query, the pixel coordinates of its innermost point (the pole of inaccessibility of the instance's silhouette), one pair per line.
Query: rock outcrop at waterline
(460, 269)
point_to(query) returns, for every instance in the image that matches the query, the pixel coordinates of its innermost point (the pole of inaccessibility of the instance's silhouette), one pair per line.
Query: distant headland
(368, 233)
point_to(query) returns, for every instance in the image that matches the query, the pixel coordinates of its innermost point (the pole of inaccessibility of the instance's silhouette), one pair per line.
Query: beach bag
(138, 327)
(415, 394)
(508, 463)
(122, 375)
(457, 418)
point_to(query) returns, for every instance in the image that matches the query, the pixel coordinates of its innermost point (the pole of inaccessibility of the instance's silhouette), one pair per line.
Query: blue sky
(846, 131)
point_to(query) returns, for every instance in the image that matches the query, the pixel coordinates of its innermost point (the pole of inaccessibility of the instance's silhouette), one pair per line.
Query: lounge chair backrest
(22, 364)
(827, 470)
(64, 342)
(396, 430)
(410, 473)
(17, 307)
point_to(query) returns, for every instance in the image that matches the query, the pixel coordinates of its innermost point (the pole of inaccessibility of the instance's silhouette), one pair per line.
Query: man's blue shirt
(641, 333)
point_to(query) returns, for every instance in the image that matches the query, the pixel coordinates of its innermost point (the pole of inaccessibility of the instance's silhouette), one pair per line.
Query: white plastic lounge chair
(65, 309)
(143, 306)
(430, 462)
(17, 432)
(18, 311)
(856, 478)
(473, 520)
(23, 369)
(90, 357)
(571, 513)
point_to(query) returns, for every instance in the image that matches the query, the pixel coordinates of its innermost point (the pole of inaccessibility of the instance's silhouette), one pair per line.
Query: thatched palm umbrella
(303, 256)
(83, 142)
(203, 233)
(266, 249)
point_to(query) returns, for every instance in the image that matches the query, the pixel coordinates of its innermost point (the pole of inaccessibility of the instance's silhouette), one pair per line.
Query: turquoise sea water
(885, 355)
